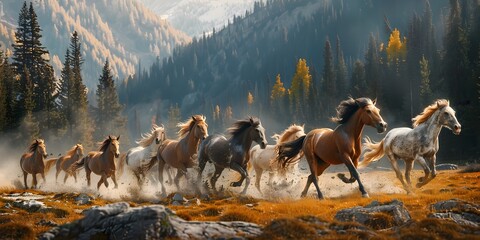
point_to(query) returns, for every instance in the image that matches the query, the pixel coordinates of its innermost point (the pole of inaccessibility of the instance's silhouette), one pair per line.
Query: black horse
(231, 153)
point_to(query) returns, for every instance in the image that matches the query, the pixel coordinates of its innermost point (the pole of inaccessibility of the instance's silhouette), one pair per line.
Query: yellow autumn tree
(250, 98)
(301, 81)
(396, 49)
(278, 90)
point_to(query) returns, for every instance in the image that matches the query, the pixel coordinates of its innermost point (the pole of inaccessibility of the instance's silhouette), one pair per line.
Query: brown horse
(101, 162)
(179, 153)
(33, 162)
(64, 162)
(323, 147)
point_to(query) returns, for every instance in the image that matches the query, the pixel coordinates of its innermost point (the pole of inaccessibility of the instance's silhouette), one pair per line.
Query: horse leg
(57, 173)
(25, 174)
(101, 181)
(408, 169)
(180, 173)
(34, 181)
(75, 176)
(169, 170)
(353, 172)
(65, 178)
(114, 179)
(318, 171)
(258, 177)
(216, 175)
(428, 175)
(393, 161)
(161, 166)
(237, 167)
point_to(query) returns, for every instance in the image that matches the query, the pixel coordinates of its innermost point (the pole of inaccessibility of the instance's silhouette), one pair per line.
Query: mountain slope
(123, 31)
(197, 16)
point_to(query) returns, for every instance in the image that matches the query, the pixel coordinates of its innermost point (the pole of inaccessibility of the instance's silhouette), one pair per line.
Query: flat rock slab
(376, 215)
(120, 221)
(461, 212)
(446, 166)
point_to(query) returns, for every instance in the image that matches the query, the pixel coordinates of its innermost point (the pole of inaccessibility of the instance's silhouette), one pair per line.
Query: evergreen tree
(108, 118)
(359, 86)
(425, 90)
(340, 70)
(3, 99)
(174, 118)
(328, 71)
(8, 96)
(65, 96)
(372, 67)
(300, 89)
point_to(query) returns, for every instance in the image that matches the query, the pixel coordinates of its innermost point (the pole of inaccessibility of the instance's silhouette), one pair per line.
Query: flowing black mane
(33, 147)
(348, 107)
(239, 126)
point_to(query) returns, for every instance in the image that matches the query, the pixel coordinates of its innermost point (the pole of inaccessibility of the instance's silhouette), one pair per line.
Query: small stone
(83, 199)
(176, 203)
(7, 206)
(178, 197)
(446, 166)
(250, 205)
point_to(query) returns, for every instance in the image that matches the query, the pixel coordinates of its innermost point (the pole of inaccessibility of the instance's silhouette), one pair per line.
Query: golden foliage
(301, 80)
(250, 98)
(278, 90)
(396, 49)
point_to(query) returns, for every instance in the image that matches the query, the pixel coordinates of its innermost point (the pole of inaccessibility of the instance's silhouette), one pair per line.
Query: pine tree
(300, 88)
(425, 90)
(108, 112)
(372, 68)
(359, 86)
(3, 95)
(65, 96)
(174, 118)
(340, 70)
(328, 71)
(10, 87)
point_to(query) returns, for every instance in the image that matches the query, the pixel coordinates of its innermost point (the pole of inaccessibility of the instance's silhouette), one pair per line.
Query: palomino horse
(419, 143)
(101, 162)
(264, 159)
(33, 162)
(323, 147)
(179, 153)
(232, 153)
(138, 157)
(64, 162)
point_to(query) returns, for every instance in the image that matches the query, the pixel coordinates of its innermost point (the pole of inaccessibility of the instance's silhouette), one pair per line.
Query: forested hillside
(123, 31)
(294, 60)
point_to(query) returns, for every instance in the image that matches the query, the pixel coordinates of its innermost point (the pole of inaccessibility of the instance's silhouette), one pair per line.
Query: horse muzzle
(381, 127)
(263, 145)
(457, 128)
(117, 155)
(45, 155)
(157, 141)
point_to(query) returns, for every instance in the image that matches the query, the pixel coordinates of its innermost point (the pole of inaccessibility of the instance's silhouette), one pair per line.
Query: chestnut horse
(324, 147)
(64, 162)
(101, 162)
(232, 153)
(179, 153)
(33, 162)
(419, 143)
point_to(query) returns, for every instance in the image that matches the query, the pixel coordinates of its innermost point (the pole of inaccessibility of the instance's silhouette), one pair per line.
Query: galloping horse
(232, 153)
(101, 162)
(64, 162)
(264, 159)
(323, 147)
(33, 162)
(137, 157)
(419, 143)
(179, 153)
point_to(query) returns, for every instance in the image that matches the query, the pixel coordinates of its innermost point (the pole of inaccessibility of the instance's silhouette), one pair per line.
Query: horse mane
(72, 150)
(241, 125)
(186, 127)
(289, 132)
(33, 147)
(348, 107)
(104, 144)
(429, 111)
(147, 138)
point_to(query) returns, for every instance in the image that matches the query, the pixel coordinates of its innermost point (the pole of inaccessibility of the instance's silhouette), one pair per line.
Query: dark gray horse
(231, 153)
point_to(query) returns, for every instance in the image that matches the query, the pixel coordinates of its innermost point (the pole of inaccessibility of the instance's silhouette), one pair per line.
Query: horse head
(257, 133)
(41, 148)
(79, 150)
(370, 115)
(200, 130)
(446, 118)
(114, 146)
(159, 133)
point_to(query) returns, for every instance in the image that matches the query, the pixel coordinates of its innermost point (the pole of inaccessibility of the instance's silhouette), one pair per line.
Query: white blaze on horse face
(450, 121)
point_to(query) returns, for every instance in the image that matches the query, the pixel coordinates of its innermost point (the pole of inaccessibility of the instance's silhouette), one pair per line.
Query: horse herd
(321, 147)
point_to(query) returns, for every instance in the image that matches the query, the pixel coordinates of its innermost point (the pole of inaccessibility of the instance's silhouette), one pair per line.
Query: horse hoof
(365, 195)
(421, 179)
(419, 185)
(235, 184)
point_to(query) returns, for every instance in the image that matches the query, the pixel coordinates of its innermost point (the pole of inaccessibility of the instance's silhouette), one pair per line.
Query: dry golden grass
(282, 219)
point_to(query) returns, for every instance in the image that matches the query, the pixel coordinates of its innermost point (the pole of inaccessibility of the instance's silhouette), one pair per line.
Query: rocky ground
(447, 208)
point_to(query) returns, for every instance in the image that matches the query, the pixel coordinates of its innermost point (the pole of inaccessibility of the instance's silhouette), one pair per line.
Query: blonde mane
(72, 150)
(289, 132)
(429, 111)
(186, 127)
(147, 138)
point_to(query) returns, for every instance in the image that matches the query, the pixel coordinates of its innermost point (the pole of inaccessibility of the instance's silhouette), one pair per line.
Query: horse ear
(374, 101)
(303, 125)
(36, 140)
(193, 117)
(251, 121)
(163, 126)
(204, 118)
(109, 137)
(118, 138)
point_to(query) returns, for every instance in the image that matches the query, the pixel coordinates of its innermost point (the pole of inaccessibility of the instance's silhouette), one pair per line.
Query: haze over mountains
(197, 16)
(124, 31)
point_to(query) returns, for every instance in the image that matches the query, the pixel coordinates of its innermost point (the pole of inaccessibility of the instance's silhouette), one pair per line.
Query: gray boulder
(446, 166)
(83, 199)
(29, 205)
(119, 221)
(459, 211)
(376, 215)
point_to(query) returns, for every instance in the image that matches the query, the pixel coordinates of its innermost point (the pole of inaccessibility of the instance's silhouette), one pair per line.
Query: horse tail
(287, 152)
(373, 152)
(49, 164)
(121, 164)
(78, 164)
(149, 165)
